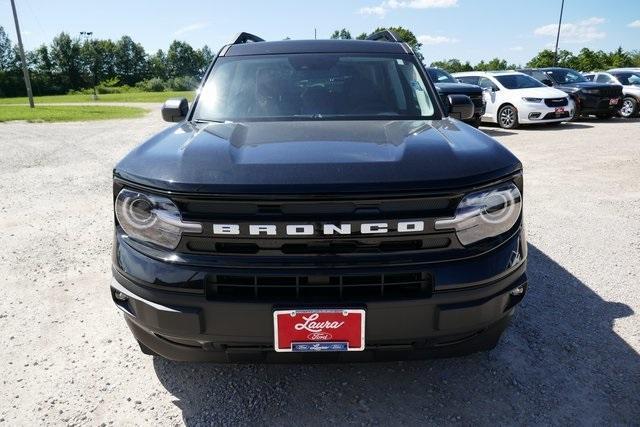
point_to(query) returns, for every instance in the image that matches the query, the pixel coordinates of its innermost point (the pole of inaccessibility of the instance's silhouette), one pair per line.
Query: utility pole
(555, 54)
(315, 34)
(87, 35)
(25, 70)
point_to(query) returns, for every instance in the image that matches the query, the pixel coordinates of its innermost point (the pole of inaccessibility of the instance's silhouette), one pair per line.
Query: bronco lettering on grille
(380, 227)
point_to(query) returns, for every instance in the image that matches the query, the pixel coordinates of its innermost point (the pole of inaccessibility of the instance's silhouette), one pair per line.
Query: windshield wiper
(207, 121)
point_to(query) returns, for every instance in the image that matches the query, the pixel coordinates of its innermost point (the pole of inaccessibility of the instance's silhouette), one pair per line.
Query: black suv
(316, 203)
(447, 85)
(601, 100)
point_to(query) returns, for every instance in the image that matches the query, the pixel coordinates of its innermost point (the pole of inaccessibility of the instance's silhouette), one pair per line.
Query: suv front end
(405, 218)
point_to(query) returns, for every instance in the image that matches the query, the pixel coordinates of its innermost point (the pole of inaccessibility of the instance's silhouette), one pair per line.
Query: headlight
(532, 99)
(152, 219)
(485, 214)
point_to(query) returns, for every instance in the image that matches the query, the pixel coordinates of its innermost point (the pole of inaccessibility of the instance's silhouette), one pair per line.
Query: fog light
(120, 296)
(534, 115)
(517, 291)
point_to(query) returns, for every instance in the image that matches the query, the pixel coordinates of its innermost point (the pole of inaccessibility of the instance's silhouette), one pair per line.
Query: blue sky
(465, 29)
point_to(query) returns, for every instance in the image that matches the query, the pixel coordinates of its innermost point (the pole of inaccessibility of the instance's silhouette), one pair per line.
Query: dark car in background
(447, 85)
(600, 100)
(630, 81)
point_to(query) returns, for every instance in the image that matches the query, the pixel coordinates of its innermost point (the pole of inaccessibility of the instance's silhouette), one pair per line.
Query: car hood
(452, 88)
(540, 92)
(317, 156)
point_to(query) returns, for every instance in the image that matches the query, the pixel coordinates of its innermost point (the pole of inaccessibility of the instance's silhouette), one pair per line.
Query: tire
(629, 107)
(577, 114)
(508, 117)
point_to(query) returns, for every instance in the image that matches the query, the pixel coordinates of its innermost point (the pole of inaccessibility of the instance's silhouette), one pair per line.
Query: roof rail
(243, 37)
(386, 35)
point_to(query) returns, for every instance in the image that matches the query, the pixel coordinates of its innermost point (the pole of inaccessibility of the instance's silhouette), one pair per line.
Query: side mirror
(460, 107)
(175, 110)
(547, 82)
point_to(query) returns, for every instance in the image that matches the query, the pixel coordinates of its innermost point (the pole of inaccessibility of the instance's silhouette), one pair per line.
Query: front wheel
(508, 117)
(629, 107)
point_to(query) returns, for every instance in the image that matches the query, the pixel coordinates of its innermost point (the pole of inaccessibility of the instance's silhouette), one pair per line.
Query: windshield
(630, 78)
(313, 86)
(518, 81)
(566, 76)
(440, 76)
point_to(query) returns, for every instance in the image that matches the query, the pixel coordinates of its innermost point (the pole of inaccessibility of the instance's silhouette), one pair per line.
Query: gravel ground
(571, 356)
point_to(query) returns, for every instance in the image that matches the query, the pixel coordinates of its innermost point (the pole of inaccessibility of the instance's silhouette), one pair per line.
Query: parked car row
(543, 95)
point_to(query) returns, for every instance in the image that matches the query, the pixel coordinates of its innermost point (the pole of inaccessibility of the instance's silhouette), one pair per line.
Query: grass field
(68, 113)
(111, 97)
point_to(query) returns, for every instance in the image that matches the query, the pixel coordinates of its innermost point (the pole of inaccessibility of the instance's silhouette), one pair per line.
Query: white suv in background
(515, 98)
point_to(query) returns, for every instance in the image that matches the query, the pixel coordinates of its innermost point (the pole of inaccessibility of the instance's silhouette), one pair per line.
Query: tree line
(71, 64)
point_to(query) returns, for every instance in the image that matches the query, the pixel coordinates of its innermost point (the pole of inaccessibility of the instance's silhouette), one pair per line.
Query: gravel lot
(572, 355)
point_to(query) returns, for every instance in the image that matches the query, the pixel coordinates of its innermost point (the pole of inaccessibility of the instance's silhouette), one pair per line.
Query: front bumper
(472, 299)
(541, 113)
(597, 104)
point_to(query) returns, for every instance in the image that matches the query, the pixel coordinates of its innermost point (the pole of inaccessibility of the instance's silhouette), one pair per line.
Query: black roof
(314, 46)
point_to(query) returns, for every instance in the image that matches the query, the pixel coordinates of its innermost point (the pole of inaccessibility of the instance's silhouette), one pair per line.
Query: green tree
(130, 61)
(343, 34)
(158, 65)
(545, 59)
(66, 60)
(620, 58)
(362, 36)
(99, 60)
(205, 56)
(183, 60)
(494, 64)
(6, 51)
(453, 65)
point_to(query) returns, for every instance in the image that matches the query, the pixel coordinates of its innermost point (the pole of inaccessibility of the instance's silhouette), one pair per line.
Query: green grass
(68, 113)
(111, 97)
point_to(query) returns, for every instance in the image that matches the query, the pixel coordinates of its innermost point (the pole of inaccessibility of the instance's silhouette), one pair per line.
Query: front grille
(611, 92)
(556, 102)
(280, 213)
(550, 116)
(365, 287)
(296, 246)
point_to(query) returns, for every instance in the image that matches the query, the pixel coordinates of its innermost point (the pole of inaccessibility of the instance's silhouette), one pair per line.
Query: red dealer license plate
(318, 330)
